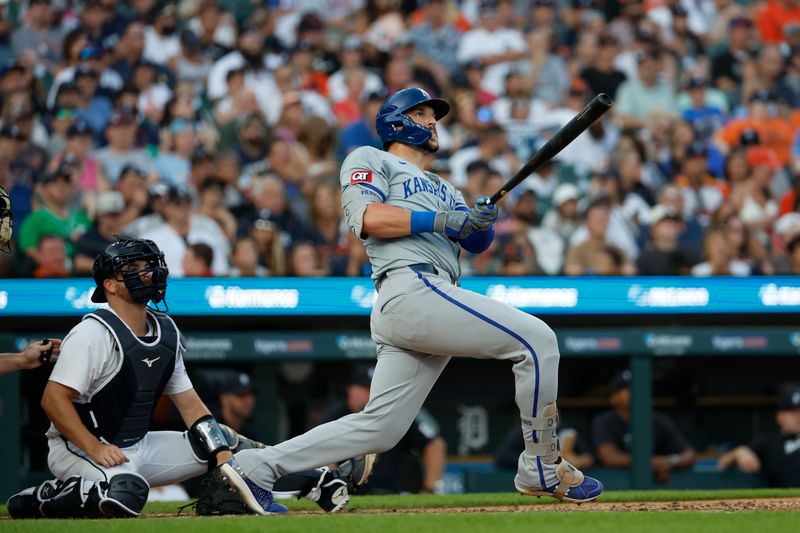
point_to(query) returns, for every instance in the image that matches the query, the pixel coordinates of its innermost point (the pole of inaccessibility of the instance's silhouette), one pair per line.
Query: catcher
(112, 369)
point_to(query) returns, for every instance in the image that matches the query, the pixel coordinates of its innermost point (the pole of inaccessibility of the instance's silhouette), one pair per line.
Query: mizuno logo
(150, 362)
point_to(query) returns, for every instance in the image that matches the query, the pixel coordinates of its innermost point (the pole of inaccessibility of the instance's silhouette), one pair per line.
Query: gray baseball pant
(418, 322)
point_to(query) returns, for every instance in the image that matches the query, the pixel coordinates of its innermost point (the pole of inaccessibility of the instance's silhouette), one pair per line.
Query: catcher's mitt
(217, 498)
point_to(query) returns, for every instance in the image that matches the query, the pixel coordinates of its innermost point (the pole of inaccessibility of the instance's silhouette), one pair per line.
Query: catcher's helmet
(5, 219)
(394, 126)
(115, 262)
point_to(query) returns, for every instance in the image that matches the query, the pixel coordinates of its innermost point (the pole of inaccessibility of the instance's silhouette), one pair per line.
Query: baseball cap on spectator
(85, 71)
(564, 193)
(542, 3)
(179, 125)
(696, 149)
(135, 169)
(696, 81)
(789, 397)
(211, 183)
(740, 21)
(191, 41)
(200, 154)
(661, 212)
(352, 42)
(678, 11)
(761, 155)
(620, 381)
(121, 116)
(362, 375)
(64, 170)
(310, 22)
(10, 131)
(578, 87)
(582, 4)
(487, 7)
(791, 29)
(89, 52)
(235, 382)
(302, 46)
(176, 194)
(109, 203)
(650, 52)
(762, 96)
(375, 96)
(80, 127)
(749, 137)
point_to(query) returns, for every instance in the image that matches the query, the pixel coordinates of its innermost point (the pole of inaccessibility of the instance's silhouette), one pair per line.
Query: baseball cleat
(257, 499)
(572, 485)
(356, 471)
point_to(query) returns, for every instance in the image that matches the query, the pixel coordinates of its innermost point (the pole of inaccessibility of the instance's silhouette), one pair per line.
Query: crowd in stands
(217, 128)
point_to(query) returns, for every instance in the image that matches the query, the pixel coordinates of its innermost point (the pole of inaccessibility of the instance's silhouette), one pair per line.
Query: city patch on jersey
(361, 176)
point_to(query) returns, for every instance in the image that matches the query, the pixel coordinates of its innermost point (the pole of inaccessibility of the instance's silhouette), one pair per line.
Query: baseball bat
(593, 110)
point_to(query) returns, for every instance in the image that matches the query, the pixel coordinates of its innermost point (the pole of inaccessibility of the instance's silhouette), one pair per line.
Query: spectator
(436, 41)
(361, 132)
(351, 56)
(664, 255)
(108, 208)
(304, 261)
(728, 66)
(211, 204)
(546, 73)
(245, 260)
(249, 54)
(563, 216)
(269, 240)
(609, 261)
(706, 107)
(752, 198)
(602, 76)
(51, 258)
(418, 461)
(173, 164)
(121, 149)
(775, 454)
(38, 34)
(581, 258)
(54, 216)
(180, 229)
(793, 255)
(612, 438)
(253, 140)
(721, 258)
(702, 193)
(161, 43)
(640, 100)
(154, 94)
(492, 147)
(773, 17)
(197, 261)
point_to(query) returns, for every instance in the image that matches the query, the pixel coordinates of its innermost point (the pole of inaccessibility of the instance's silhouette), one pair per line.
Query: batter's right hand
(108, 455)
(454, 224)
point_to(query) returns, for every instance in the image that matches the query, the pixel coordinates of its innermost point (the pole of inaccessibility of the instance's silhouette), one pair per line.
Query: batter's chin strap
(207, 439)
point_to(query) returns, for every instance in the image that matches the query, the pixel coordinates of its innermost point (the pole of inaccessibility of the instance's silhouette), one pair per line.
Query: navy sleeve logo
(361, 176)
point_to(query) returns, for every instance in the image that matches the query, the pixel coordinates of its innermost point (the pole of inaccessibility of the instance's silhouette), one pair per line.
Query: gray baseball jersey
(370, 175)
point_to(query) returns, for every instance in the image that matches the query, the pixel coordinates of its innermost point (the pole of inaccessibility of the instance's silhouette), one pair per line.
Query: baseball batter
(414, 225)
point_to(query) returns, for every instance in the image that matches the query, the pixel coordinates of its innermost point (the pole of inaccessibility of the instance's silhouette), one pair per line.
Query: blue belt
(416, 267)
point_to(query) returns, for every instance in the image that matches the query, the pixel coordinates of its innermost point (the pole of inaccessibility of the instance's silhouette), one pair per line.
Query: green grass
(611, 522)
(494, 522)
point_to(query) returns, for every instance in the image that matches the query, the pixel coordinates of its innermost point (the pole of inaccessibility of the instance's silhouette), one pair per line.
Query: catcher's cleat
(572, 485)
(257, 499)
(356, 471)
(331, 492)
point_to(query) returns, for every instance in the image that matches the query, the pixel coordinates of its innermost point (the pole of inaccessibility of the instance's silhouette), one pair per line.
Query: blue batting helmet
(394, 126)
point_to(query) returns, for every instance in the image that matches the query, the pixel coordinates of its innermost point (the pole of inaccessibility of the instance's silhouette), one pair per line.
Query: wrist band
(422, 221)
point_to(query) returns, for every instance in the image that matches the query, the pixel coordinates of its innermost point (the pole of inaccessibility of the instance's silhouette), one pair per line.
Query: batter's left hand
(483, 214)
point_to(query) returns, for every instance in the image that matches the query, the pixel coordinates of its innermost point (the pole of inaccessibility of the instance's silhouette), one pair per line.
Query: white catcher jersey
(370, 175)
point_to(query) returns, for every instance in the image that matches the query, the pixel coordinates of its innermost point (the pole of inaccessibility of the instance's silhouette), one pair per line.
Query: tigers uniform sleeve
(363, 182)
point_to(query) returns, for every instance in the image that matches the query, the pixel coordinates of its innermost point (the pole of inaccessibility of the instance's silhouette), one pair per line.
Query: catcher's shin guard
(125, 497)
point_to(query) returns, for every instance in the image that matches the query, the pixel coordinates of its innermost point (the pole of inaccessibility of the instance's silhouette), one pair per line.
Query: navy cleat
(257, 499)
(572, 485)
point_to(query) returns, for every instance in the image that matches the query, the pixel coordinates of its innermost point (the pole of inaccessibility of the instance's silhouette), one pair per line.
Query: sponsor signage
(355, 296)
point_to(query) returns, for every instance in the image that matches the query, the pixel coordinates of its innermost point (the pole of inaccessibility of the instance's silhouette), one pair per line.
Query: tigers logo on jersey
(361, 176)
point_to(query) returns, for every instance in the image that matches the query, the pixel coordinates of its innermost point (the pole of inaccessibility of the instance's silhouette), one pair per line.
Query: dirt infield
(755, 504)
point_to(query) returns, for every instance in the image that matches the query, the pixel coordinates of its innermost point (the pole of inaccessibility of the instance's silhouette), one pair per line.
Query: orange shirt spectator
(774, 131)
(773, 16)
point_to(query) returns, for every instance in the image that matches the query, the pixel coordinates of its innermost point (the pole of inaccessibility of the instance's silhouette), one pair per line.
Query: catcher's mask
(116, 261)
(5, 220)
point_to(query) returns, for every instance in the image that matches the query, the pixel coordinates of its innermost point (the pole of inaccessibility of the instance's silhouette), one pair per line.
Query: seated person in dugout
(612, 437)
(775, 454)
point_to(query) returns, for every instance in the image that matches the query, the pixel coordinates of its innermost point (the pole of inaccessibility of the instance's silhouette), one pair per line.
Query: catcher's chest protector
(120, 412)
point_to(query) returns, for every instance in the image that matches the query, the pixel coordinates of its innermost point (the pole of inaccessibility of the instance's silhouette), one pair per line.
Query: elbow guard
(207, 438)
(478, 242)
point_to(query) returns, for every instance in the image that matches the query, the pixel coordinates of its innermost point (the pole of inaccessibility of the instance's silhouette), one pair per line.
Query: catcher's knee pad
(539, 434)
(125, 496)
